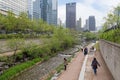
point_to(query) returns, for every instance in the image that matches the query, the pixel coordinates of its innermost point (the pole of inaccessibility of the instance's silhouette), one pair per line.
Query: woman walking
(95, 65)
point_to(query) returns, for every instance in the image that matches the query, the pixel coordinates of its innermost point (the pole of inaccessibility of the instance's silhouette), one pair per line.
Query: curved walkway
(74, 68)
(102, 72)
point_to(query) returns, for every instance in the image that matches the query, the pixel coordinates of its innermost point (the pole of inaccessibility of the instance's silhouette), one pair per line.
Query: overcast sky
(86, 8)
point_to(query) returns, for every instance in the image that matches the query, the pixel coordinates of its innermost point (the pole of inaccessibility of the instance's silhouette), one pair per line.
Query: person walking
(65, 63)
(95, 65)
(85, 51)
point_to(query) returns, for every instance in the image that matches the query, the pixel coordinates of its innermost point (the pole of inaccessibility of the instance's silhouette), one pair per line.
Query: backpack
(94, 64)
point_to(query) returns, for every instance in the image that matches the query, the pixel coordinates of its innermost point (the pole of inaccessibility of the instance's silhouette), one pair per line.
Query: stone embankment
(40, 70)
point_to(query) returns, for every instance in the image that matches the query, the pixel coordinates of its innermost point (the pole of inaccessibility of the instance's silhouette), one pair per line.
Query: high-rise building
(43, 6)
(71, 15)
(36, 9)
(78, 25)
(46, 10)
(92, 23)
(52, 12)
(30, 9)
(87, 24)
(16, 6)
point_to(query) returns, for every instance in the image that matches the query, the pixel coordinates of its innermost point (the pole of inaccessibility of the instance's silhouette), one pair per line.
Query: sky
(86, 8)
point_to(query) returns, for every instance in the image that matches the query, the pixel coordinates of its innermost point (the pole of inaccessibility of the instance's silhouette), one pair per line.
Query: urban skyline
(46, 10)
(90, 24)
(86, 8)
(78, 5)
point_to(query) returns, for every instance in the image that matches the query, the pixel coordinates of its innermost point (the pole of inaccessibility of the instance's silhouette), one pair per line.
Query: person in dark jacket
(85, 51)
(95, 65)
(65, 63)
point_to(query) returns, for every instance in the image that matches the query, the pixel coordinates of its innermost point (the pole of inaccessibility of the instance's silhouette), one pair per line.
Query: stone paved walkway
(102, 72)
(74, 68)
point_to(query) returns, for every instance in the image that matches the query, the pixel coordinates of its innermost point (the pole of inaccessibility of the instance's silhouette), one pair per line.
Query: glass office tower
(52, 12)
(46, 10)
(71, 15)
(16, 6)
(30, 9)
(36, 10)
(92, 23)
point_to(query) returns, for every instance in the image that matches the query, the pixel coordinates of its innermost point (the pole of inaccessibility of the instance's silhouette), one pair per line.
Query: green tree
(24, 23)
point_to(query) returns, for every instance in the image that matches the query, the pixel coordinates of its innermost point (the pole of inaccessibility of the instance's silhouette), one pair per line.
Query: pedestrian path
(80, 68)
(102, 72)
(73, 69)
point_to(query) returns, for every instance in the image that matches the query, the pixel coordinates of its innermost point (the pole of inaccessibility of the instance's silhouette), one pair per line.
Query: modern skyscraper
(92, 23)
(16, 6)
(87, 24)
(43, 6)
(30, 9)
(78, 25)
(52, 12)
(36, 9)
(71, 15)
(46, 10)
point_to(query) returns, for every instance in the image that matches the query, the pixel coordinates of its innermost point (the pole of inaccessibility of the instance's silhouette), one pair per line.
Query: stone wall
(111, 54)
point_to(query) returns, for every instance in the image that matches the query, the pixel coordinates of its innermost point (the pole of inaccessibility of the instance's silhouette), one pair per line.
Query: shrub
(112, 35)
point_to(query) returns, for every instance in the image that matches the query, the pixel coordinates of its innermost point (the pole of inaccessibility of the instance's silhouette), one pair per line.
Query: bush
(19, 56)
(112, 35)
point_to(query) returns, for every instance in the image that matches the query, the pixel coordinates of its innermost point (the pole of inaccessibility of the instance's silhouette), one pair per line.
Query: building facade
(43, 6)
(78, 25)
(16, 6)
(46, 10)
(36, 9)
(71, 15)
(87, 24)
(30, 9)
(92, 23)
(52, 12)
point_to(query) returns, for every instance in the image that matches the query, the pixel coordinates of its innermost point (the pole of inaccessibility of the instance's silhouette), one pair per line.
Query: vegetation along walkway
(41, 70)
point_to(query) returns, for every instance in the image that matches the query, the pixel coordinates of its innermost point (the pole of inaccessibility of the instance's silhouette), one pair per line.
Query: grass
(11, 72)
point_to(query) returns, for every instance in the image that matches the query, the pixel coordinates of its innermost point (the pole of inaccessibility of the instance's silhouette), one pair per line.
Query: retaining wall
(111, 54)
